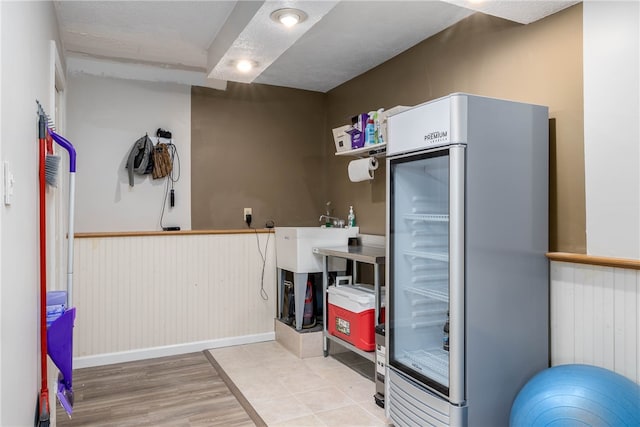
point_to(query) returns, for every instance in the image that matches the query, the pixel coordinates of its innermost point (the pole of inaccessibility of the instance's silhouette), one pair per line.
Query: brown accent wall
(540, 63)
(259, 147)
(271, 148)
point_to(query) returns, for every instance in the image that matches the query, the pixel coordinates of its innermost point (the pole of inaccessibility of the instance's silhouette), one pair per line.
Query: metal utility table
(366, 254)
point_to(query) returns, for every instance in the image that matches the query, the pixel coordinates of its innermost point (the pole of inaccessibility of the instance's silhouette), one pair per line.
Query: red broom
(43, 418)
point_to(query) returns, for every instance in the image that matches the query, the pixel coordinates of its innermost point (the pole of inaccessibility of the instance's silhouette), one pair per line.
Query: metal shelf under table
(366, 254)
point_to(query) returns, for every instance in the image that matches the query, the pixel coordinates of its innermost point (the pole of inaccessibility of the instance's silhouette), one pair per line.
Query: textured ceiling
(355, 37)
(340, 40)
(175, 33)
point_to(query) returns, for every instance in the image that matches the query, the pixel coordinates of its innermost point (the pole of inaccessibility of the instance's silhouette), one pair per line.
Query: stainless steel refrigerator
(467, 277)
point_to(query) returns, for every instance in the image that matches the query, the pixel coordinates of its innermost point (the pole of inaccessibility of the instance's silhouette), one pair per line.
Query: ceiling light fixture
(288, 16)
(245, 65)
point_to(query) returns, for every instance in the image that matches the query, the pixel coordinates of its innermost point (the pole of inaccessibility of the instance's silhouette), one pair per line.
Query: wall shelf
(376, 150)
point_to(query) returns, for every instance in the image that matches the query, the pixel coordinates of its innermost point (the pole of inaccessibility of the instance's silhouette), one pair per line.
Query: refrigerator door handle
(456, 275)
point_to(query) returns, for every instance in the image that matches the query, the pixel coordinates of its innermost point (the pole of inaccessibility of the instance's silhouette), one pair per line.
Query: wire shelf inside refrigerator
(441, 233)
(443, 256)
(430, 278)
(430, 245)
(426, 324)
(437, 292)
(434, 363)
(437, 310)
(427, 217)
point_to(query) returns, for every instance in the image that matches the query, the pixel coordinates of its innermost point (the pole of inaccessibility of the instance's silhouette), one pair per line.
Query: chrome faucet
(336, 222)
(328, 219)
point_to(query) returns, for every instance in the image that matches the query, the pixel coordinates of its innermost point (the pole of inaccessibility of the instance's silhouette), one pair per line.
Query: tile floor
(288, 391)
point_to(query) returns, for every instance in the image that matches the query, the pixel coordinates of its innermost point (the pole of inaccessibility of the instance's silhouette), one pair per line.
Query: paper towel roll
(362, 169)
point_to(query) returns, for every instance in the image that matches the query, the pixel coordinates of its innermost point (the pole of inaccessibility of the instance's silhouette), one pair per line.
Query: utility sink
(294, 246)
(294, 252)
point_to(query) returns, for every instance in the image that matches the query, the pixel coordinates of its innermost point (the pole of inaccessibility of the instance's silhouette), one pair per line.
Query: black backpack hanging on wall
(140, 158)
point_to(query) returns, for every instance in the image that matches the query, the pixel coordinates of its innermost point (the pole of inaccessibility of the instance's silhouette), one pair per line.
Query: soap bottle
(370, 135)
(351, 218)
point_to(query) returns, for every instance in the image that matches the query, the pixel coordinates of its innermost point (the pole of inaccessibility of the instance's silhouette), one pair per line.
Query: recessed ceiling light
(288, 16)
(245, 65)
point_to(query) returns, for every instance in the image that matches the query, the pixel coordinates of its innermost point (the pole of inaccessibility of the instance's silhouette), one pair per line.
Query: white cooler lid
(356, 293)
(347, 295)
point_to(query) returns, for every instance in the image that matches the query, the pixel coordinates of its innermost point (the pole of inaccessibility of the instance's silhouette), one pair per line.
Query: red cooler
(352, 315)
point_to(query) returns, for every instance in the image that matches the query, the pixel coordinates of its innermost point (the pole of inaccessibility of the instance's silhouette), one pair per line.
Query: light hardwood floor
(184, 390)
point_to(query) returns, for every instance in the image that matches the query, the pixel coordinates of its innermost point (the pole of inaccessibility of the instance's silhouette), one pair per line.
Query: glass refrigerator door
(420, 268)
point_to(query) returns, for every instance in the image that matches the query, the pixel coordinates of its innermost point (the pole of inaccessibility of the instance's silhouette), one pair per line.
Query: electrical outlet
(247, 211)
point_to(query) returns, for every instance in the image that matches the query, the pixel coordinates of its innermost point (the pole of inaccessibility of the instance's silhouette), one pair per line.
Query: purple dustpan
(60, 349)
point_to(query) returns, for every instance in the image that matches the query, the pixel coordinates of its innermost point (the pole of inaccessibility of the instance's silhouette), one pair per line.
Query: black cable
(164, 202)
(173, 153)
(263, 293)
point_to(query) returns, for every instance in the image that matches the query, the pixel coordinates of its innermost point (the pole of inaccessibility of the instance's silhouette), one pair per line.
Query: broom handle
(67, 146)
(72, 190)
(43, 266)
(72, 198)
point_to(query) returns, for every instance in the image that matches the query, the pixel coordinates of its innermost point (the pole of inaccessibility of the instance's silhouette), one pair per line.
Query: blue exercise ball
(577, 395)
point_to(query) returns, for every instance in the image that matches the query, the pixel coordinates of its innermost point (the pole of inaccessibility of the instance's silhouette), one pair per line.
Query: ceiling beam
(238, 19)
(143, 72)
(262, 41)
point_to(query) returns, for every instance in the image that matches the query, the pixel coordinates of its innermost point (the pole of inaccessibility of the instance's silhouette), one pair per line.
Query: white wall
(1, 214)
(612, 127)
(26, 30)
(105, 116)
(594, 309)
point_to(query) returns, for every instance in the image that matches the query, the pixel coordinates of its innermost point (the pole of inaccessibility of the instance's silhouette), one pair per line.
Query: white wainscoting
(148, 296)
(595, 317)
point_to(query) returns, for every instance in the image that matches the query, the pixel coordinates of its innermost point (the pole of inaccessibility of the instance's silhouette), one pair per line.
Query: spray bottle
(376, 122)
(369, 131)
